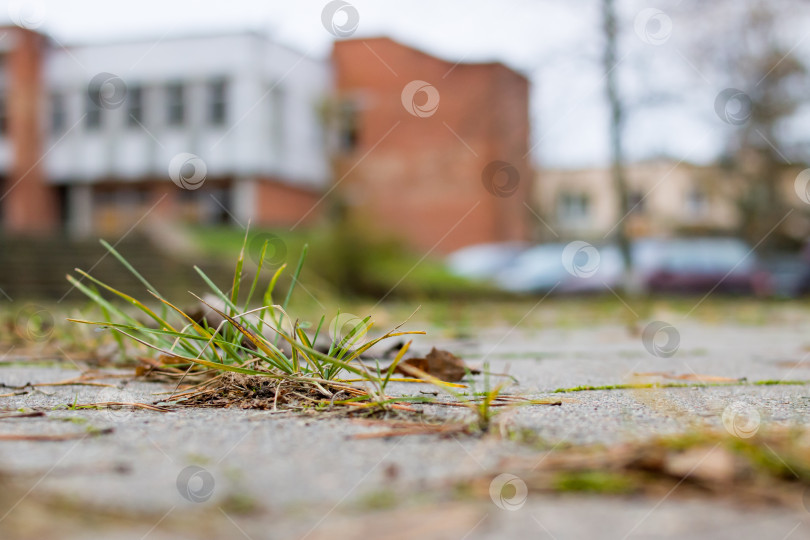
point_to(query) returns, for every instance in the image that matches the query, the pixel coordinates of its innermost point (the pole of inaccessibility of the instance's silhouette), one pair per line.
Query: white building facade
(236, 115)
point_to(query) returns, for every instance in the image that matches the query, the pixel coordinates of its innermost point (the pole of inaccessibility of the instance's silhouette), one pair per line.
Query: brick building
(416, 139)
(27, 202)
(219, 128)
(197, 129)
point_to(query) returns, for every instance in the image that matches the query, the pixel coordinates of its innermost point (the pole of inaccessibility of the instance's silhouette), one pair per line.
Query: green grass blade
(129, 267)
(295, 275)
(122, 349)
(318, 330)
(237, 275)
(268, 296)
(217, 291)
(256, 339)
(257, 276)
(132, 270)
(400, 355)
(130, 300)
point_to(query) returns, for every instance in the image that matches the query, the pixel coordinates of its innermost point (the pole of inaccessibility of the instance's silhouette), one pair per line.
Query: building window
(348, 130)
(635, 202)
(697, 202)
(58, 113)
(92, 112)
(217, 106)
(175, 102)
(134, 106)
(574, 208)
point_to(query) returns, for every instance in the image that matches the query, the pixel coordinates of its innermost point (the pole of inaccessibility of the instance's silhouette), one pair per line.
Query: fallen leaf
(441, 364)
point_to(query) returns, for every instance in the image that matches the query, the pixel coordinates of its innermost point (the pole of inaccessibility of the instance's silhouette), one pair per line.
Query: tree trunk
(616, 148)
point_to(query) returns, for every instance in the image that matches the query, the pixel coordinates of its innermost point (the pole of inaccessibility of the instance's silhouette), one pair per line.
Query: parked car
(697, 265)
(565, 268)
(537, 269)
(788, 275)
(483, 261)
(686, 265)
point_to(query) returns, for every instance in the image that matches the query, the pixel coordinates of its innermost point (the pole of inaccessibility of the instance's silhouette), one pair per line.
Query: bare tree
(748, 49)
(610, 32)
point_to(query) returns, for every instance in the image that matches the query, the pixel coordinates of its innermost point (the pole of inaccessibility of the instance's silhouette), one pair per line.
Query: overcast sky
(556, 43)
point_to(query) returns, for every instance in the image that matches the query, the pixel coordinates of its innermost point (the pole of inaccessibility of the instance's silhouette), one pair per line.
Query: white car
(483, 261)
(537, 269)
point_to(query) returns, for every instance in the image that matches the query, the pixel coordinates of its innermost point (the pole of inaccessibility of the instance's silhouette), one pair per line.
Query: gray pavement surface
(305, 477)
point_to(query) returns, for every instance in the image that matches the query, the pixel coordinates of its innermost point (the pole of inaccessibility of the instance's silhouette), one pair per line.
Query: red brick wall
(281, 204)
(29, 205)
(420, 178)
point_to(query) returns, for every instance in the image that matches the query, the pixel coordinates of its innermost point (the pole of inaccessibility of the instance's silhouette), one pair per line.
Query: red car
(700, 265)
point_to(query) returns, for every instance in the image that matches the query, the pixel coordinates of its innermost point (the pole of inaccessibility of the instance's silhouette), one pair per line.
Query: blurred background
(439, 150)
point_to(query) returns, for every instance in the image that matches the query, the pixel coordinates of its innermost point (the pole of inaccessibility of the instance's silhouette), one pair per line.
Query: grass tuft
(263, 349)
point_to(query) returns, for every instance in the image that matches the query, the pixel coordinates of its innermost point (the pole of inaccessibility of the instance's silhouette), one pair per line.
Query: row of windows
(575, 208)
(175, 104)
